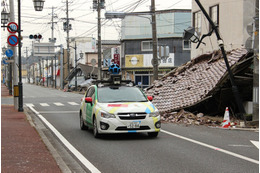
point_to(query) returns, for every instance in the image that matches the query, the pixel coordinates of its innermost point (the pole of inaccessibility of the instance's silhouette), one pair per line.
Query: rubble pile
(188, 118)
(193, 82)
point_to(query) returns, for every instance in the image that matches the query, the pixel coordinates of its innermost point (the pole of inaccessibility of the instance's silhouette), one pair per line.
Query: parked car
(80, 79)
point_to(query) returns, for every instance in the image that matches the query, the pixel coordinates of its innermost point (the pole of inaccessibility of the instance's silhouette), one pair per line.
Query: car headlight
(107, 115)
(154, 114)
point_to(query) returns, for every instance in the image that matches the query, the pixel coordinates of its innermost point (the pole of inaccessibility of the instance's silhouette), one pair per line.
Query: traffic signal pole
(20, 84)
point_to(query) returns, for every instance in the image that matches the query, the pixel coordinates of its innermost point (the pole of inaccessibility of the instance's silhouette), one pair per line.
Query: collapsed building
(202, 85)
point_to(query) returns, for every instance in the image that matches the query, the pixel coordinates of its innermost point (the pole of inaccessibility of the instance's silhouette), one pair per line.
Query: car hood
(123, 107)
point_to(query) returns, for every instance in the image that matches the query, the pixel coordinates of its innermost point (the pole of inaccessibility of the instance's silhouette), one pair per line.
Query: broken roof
(194, 81)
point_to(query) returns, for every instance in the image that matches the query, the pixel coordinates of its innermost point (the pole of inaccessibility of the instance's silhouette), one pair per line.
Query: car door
(89, 106)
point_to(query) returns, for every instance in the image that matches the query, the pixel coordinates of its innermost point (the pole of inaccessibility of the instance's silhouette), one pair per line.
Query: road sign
(9, 53)
(43, 49)
(12, 27)
(93, 62)
(4, 61)
(106, 62)
(12, 40)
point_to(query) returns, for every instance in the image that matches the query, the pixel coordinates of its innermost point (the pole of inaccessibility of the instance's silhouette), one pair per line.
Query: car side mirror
(88, 100)
(150, 98)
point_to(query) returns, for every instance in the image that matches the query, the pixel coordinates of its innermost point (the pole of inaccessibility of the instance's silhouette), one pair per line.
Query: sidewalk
(22, 148)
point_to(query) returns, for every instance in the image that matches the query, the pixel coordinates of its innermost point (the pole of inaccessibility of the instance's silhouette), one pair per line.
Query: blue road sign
(4, 61)
(12, 40)
(9, 53)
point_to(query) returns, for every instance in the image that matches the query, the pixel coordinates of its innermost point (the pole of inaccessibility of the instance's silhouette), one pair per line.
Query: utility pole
(28, 65)
(15, 68)
(61, 66)
(154, 34)
(53, 15)
(67, 27)
(76, 85)
(99, 42)
(98, 5)
(255, 47)
(52, 40)
(68, 31)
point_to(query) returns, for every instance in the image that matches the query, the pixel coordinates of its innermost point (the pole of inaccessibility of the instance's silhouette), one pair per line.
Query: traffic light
(35, 36)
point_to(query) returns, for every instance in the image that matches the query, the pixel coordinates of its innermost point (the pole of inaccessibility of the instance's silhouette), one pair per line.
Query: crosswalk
(54, 103)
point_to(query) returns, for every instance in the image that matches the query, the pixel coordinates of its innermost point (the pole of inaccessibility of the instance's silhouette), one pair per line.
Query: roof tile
(190, 83)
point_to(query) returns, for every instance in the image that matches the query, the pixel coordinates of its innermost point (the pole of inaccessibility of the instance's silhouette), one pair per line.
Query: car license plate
(134, 125)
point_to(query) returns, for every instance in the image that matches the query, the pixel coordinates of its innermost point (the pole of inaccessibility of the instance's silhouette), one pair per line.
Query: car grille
(125, 128)
(132, 116)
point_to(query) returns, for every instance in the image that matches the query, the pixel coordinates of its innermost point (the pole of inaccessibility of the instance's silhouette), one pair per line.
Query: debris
(188, 118)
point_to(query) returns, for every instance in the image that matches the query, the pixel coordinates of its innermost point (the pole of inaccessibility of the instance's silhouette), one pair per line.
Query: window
(147, 46)
(214, 15)
(186, 45)
(120, 94)
(197, 17)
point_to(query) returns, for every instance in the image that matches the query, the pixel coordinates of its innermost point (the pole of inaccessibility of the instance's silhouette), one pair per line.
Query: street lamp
(4, 17)
(38, 4)
(81, 54)
(190, 34)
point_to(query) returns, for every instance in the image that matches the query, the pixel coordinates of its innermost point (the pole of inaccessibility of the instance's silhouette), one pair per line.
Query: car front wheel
(95, 128)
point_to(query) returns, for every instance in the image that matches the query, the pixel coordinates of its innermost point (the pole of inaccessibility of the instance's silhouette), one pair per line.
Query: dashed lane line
(73, 103)
(44, 104)
(58, 104)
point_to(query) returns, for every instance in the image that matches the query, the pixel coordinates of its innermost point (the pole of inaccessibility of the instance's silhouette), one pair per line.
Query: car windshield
(120, 94)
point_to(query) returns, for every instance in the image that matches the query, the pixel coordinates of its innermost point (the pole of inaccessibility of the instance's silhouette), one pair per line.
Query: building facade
(137, 44)
(232, 18)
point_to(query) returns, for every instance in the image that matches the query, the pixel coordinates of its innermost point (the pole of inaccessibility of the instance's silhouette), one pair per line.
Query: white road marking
(29, 104)
(58, 104)
(73, 150)
(212, 147)
(58, 112)
(256, 143)
(73, 103)
(44, 104)
(237, 145)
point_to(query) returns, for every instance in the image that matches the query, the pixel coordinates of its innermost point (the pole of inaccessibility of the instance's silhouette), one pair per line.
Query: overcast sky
(85, 18)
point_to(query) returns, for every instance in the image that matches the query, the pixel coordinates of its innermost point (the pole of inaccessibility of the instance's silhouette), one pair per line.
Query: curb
(63, 167)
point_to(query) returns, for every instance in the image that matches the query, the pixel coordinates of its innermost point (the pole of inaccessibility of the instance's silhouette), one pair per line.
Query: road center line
(212, 147)
(73, 150)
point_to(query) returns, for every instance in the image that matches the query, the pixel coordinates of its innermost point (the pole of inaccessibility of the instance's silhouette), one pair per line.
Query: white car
(118, 109)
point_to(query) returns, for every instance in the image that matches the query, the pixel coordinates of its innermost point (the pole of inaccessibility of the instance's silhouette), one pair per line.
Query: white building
(232, 18)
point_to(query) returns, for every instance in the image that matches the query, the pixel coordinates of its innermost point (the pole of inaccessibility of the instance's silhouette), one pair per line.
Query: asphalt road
(176, 149)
